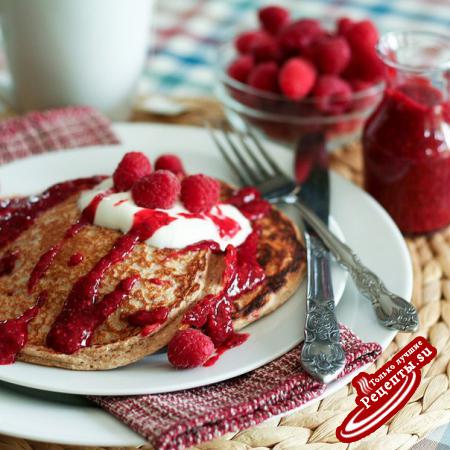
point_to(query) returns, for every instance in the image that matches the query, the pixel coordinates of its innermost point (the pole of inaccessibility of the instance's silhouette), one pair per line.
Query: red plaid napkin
(181, 419)
(40, 132)
(177, 420)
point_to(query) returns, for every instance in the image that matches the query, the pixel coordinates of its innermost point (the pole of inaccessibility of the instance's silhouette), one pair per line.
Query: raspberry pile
(300, 59)
(164, 186)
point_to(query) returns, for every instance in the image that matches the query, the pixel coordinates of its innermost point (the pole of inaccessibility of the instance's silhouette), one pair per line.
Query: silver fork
(256, 167)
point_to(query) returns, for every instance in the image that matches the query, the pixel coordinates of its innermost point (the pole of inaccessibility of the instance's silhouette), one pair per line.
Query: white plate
(368, 229)
(269, 338)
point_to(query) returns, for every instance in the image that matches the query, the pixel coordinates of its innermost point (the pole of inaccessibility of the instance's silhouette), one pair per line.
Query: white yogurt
(117, 211)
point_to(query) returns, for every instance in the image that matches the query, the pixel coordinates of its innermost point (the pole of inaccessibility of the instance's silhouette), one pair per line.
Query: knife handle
(392, 311)
(322, 354)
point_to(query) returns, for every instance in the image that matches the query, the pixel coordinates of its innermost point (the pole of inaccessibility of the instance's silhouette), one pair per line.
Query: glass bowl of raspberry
(289, 77)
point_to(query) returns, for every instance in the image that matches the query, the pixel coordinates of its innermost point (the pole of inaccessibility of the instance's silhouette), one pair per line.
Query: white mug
(75, 52)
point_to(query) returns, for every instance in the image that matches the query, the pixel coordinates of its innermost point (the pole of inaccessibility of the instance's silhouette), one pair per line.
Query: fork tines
(244, 154)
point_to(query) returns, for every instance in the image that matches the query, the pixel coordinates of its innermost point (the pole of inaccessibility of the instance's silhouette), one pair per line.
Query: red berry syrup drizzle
(8, 262)
(46, 260)
(149, 320)
(82, 314)
(75, 259)
(14, 332)
(226, 225)
(213, 314)
(16, 216)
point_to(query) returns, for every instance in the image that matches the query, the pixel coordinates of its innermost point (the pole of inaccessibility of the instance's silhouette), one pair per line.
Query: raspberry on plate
(332, 94)
(331, 54)
(157, 190)
(132, 167)
(297, 77)
(295, 37)
(241, 67)
(199, 193)
(170, 162)
(189, 348)
(246, 39)
(273, 18)
(264, 77)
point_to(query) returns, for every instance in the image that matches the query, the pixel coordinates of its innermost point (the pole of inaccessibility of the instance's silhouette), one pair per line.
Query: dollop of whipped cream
(223, 224)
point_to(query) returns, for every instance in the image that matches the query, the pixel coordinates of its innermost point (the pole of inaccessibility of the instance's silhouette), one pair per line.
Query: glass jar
(406, 140)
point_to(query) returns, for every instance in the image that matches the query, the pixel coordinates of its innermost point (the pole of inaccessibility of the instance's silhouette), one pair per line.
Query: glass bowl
(284, 120)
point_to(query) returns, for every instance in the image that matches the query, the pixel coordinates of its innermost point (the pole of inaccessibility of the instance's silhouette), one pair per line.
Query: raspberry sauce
(234, 341)
(158, 281)
(407, 157)
(213, 246)
(18, 214)
(406, 140)
(226, 225)
(250, 203)
(80, 317)
(213, 314)
(14, 332)
(150, 320)
(75, 259)
(8, 262)
(46, 260)
(82, 314)
(144, 317)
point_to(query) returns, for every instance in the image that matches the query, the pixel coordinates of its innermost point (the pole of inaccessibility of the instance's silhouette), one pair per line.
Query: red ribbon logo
(383, 394)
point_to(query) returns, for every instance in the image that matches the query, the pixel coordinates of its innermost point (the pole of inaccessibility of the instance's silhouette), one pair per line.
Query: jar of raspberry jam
(406, 140)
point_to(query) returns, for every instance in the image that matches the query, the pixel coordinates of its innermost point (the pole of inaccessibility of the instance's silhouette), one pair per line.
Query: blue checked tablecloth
(188, 31)
(182, 59)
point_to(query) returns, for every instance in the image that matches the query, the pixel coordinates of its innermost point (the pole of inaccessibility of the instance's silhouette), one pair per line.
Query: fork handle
(392, 311)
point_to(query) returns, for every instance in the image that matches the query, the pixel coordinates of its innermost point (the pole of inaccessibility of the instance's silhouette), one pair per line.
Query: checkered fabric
(40, 132)
(188, 31)
(179, 420)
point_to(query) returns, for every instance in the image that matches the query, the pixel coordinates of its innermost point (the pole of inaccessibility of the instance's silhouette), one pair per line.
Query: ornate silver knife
(322, 355)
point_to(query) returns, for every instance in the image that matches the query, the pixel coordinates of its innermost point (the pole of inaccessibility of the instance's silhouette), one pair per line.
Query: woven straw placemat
(314, 428)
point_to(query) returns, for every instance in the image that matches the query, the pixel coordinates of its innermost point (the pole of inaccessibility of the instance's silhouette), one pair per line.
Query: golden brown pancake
(166, 278)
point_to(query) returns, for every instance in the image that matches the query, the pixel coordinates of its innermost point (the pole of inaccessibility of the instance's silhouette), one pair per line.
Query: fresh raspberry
(343, 25)
(332, 94)
(240, 68)
(246, 39)
(331, 54)
(362, 35)
(273, 18)
(365, 65)
(189, 348)
(157, 190)
(199, 193)
(265, 49)
(264, 77)
(295, 38)
(170, 162)
(134, 165)
(297, 77)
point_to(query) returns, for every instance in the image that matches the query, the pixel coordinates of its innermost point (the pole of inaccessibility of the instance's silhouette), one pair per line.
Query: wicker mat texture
(430, 405)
